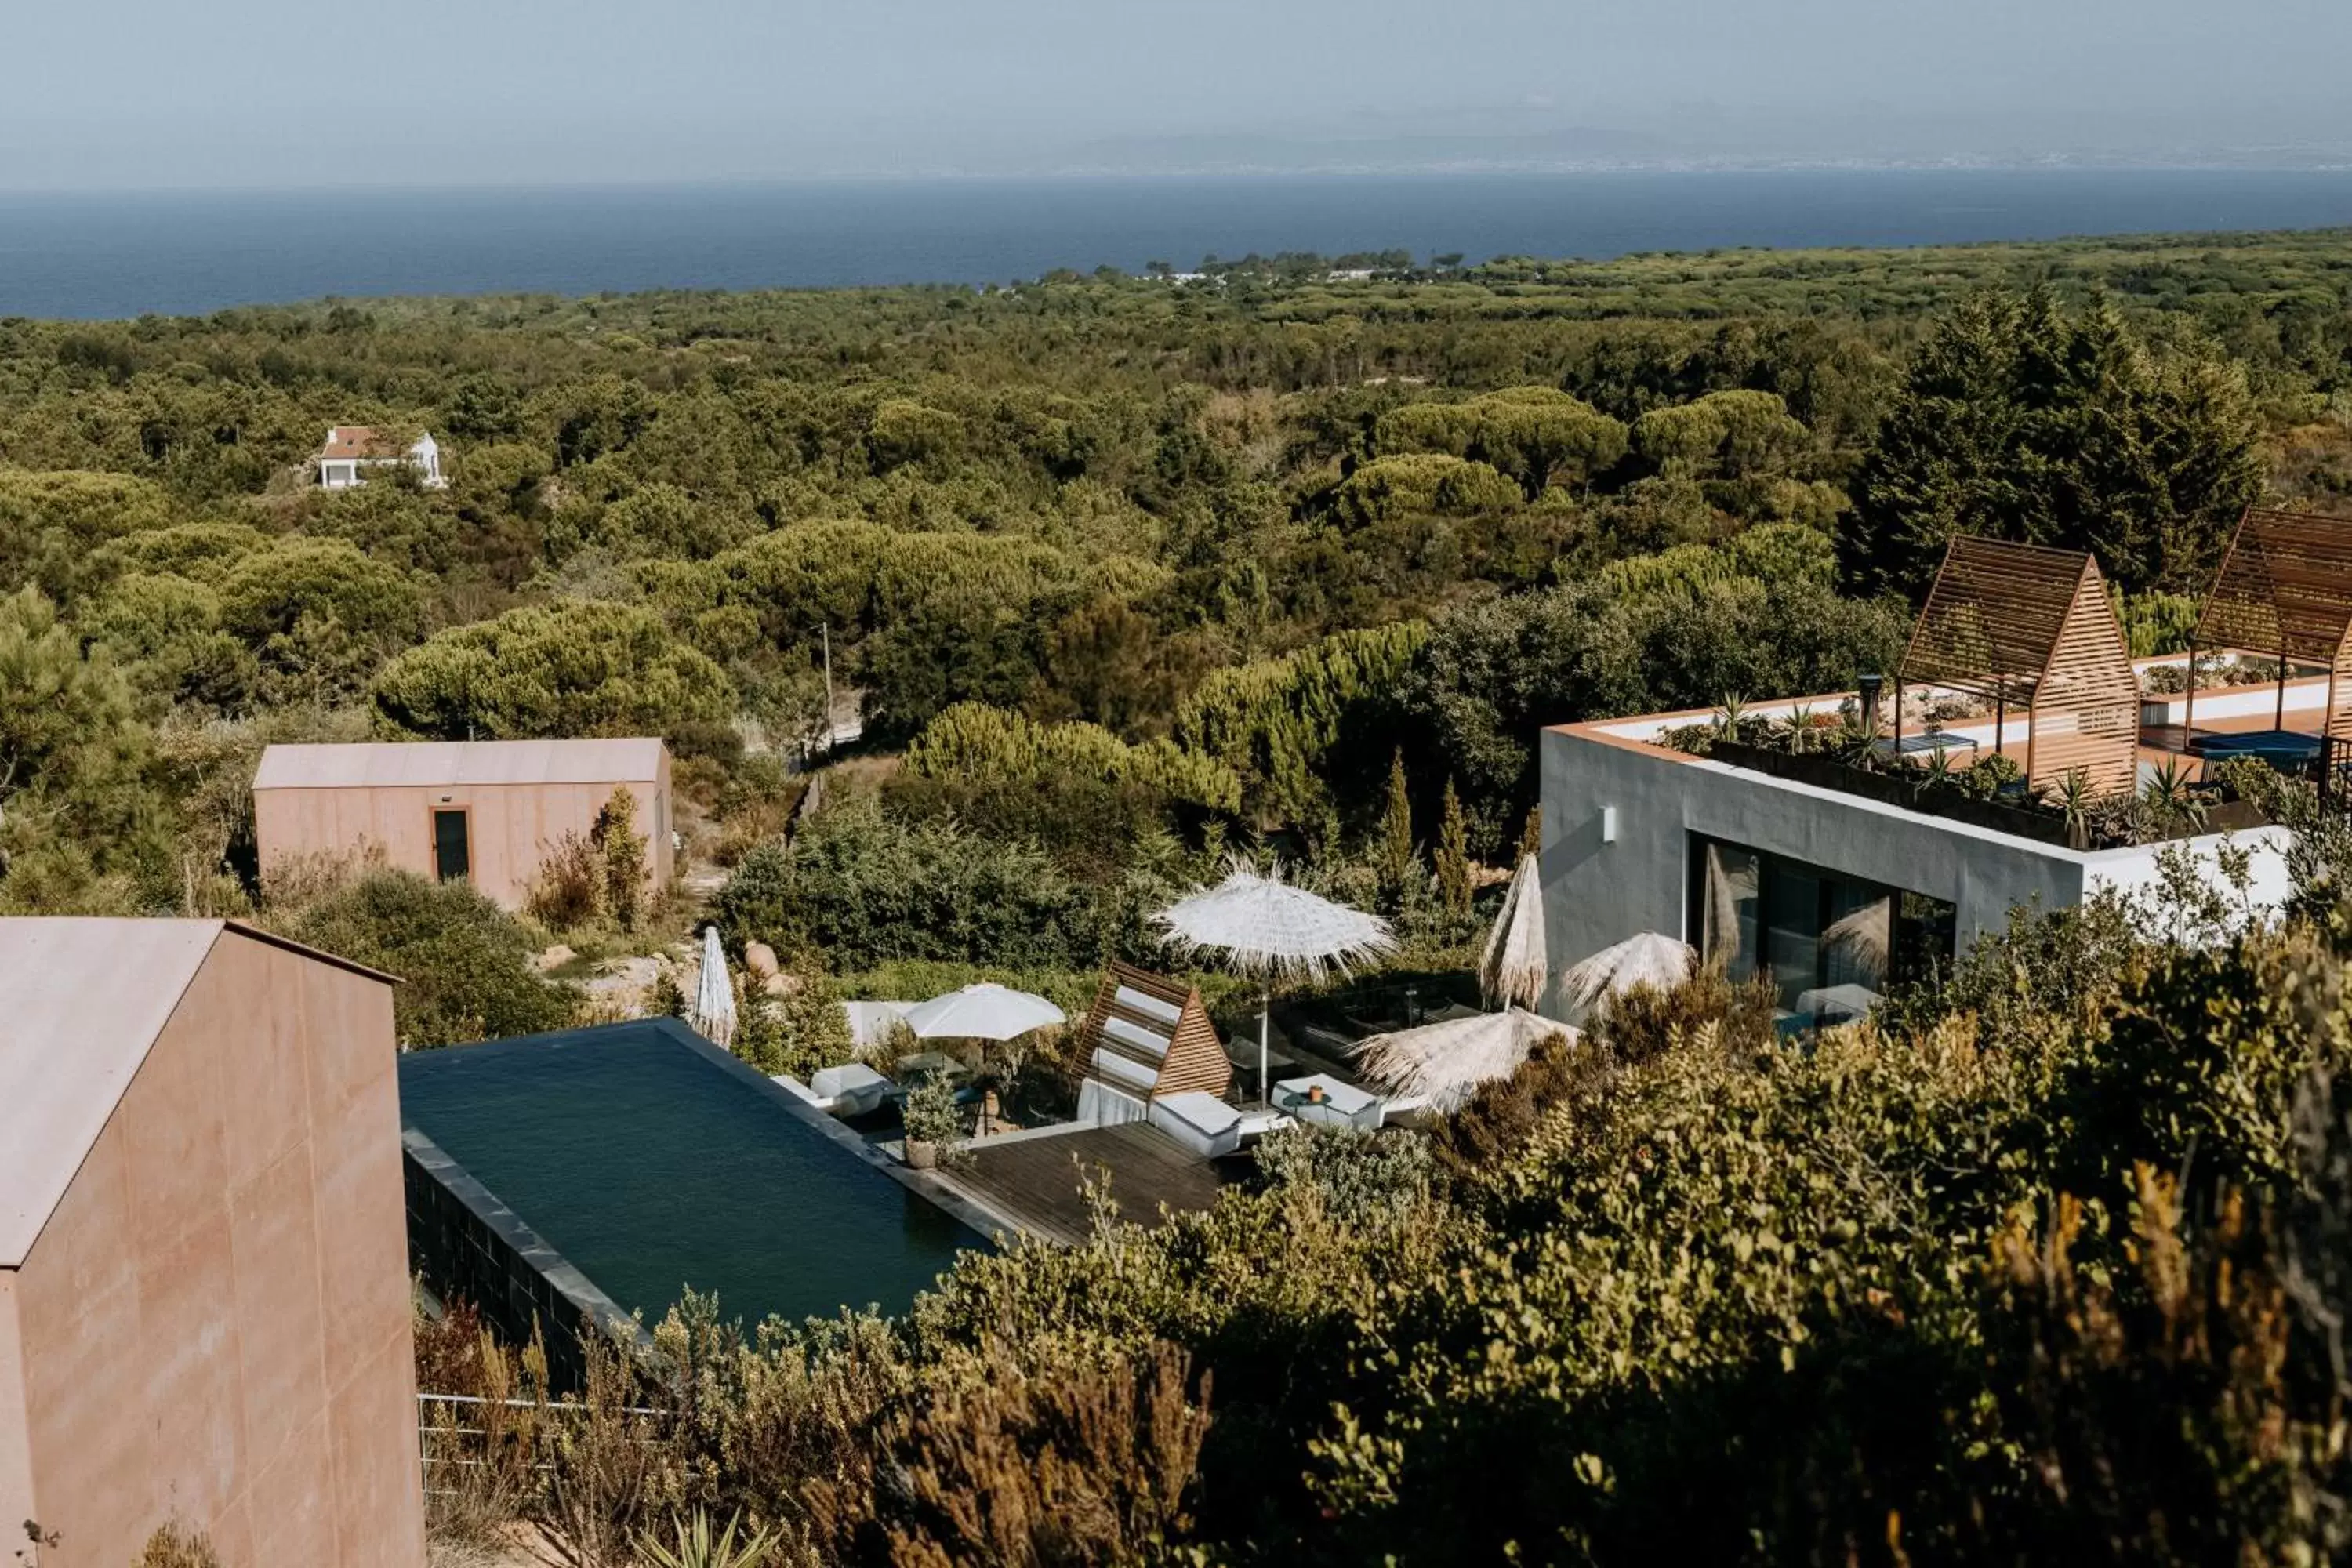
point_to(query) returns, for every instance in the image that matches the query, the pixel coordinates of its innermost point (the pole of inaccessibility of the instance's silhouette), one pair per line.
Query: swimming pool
(639, 1159)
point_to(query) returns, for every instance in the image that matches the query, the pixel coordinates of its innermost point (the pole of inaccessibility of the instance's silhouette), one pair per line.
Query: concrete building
(488, 811)
(1768, 872)
(203, 1285)
(1765, 842)
(352, 449)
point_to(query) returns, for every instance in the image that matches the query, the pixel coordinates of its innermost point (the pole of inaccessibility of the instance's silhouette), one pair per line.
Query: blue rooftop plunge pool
(603, 1171)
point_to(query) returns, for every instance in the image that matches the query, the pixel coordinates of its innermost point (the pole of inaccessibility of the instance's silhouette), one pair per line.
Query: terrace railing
(456, 1431)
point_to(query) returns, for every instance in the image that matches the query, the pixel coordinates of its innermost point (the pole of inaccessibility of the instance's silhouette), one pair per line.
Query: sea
(122, 255)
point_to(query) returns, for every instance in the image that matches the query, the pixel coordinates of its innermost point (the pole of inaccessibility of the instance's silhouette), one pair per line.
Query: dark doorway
(453, 858)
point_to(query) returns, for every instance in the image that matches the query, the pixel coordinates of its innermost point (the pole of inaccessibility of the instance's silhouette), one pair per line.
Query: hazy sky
(271, 92)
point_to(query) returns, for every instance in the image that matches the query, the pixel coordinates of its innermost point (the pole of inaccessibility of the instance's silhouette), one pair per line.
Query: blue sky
(115, 93)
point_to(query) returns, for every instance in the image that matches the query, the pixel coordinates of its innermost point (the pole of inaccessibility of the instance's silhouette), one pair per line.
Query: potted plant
(933, 1120)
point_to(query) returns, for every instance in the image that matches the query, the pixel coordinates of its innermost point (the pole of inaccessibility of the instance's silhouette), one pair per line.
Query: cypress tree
(1394, 854)
(1453, 856)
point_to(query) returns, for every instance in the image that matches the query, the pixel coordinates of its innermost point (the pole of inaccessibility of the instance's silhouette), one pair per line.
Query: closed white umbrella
(1648, 959)
(1447, 1062)
(714, 997)
(1515, 967)
(1265, 928)
(985, 1012)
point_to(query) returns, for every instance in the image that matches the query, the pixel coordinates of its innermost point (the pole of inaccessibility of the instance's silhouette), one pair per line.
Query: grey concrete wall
(1597, 893)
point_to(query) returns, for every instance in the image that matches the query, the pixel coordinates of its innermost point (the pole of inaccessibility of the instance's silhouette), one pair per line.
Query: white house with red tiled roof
(352, 449)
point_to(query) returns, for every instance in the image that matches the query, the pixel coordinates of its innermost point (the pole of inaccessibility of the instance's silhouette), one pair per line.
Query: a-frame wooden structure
(2283, 592)
(2031, 628)
(1150, 1037)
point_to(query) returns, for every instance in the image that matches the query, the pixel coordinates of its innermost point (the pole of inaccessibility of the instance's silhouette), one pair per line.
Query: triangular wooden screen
(2285, 592)
(2031, 628)
(1149, 1035)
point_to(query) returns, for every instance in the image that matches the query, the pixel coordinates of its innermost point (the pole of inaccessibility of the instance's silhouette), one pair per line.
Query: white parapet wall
(2136, 872)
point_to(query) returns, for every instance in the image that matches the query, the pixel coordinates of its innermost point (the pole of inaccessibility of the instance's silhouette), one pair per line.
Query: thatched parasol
(1514, 968)
(1865, 936)
(714, 998)
(1266, 928)
(1447, 1062)
(1648, 959)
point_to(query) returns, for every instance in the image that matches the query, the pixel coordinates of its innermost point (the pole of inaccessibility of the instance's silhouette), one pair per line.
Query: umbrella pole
(1264, 1007)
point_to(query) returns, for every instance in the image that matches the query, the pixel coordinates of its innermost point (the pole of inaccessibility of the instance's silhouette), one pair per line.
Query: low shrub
(463, 962)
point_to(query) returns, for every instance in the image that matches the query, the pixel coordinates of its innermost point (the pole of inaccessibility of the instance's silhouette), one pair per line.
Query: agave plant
(1801, 730)
(1853, 742)
(1939, 770)
(1730, 716)
(693, 1546)
(2169, 799)
(2074, 800)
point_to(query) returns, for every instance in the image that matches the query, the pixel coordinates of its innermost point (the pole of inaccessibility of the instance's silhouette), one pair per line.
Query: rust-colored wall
(213, 1324)
(512, 827)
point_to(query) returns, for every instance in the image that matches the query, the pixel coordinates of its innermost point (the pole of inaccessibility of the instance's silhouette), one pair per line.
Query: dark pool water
(653, 1169)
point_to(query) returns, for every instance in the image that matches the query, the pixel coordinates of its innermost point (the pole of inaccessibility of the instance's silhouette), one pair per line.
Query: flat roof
(84, 1000)
(652, 1162)
(427, 763)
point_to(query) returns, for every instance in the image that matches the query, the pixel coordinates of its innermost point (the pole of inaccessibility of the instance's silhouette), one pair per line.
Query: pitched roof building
(487, 811)
(204, 1273)
(351, 449)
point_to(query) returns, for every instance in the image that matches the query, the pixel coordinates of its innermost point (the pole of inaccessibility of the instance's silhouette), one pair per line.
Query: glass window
(1830, 944)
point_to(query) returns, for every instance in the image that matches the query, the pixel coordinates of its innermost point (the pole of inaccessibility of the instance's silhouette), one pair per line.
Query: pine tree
(1453, 856)
(1394, 856)
(2016, 422)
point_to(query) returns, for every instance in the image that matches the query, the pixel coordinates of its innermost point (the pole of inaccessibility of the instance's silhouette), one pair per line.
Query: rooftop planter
(2036, 824)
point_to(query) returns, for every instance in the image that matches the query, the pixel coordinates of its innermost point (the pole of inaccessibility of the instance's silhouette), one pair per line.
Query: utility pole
(824, 629)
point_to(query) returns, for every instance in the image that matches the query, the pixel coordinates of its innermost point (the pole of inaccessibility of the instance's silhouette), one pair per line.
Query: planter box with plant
(933, 1122)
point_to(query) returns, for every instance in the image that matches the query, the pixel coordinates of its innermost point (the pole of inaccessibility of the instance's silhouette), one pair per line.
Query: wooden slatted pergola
(1150, 1037)
(2285, 592)
(2031, 628)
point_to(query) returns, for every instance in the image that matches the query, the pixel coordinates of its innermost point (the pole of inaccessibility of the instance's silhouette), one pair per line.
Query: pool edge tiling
(524, 1197)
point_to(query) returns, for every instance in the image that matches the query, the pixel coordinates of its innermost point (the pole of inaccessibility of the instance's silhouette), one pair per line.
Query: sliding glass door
(1830, 944)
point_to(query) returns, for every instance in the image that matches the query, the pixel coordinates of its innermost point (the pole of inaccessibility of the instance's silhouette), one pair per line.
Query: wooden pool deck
(1037, 1185)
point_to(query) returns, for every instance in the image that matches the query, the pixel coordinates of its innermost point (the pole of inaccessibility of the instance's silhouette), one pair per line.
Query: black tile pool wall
(486, 1260)
(638, 1158)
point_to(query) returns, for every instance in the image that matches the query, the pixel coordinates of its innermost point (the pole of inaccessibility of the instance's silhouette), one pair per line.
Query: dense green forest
(1123, 573)
(1542, 490)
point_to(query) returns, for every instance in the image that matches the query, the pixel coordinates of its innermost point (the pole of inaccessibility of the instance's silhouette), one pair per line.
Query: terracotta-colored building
(489, 811)
(204, 1270)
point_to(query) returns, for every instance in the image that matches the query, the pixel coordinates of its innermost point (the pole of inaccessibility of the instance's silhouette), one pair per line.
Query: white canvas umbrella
(1515, 967)
(1648, 959)
(1266, 928)
(714, 998)
(1447, 1062)
(985, 1012)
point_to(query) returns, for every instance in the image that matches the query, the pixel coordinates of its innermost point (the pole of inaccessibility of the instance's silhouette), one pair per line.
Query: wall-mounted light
(1608, 824)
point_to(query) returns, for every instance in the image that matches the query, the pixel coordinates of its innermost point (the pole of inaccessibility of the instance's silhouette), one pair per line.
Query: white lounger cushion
(1152, 1007)
(1136, 1036)
(1121, 1069)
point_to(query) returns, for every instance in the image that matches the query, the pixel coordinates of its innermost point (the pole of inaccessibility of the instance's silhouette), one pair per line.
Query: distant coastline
(118, 255)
